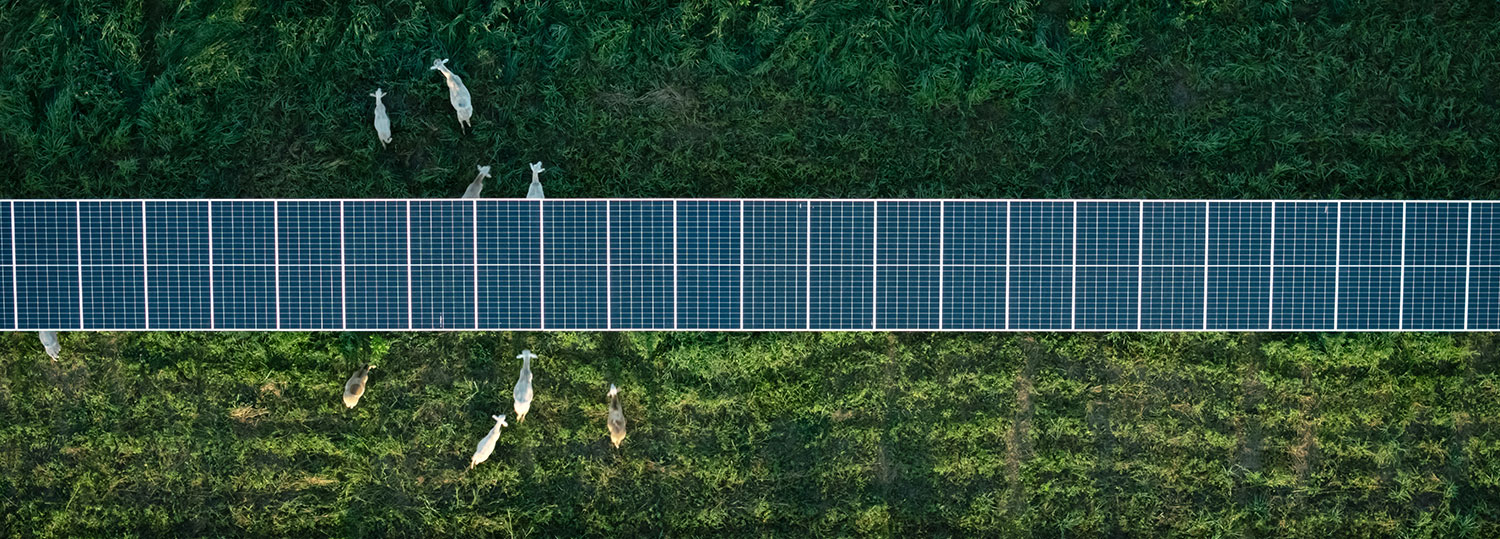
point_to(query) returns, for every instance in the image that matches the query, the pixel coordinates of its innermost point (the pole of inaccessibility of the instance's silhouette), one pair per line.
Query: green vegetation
(836, 434)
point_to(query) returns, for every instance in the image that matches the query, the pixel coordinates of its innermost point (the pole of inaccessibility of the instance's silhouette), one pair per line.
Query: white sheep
(458, 94)
(382, 122)
(478, 185)
(536, 183)
(355, 387)
(616, 417)
(524, 391)
(50, 343)
(487, 445)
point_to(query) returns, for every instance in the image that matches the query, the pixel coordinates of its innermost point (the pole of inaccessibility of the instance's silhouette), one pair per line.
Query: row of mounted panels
(752, 264)
(752, 298)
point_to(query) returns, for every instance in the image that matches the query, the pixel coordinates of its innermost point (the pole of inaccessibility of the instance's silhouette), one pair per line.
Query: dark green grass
(833, 434)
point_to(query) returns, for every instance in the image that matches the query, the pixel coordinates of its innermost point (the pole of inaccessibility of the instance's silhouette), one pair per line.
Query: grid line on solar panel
(908, 233)
(974, 233)
(1368, 297)
(574, 232)
(1040, 297)
(775, 297)
(177, 232)
(110, 232)
(1436, 233)
(1484, 298)
(1370, 233)
(842, 233)
(1434, 298)
(1240, 233)
(707, 297)
(1303, 297)
(374, 233)
(1108, 233)
(442, 232)
(244, 232)
(907, 297)
(113, 297)
(575, 297)
(1173, 233)
(1041, 234)
(46, 233)
(442, 297)
(1172, 298)
(308, 233)
(1106, 297)
(47, 297)
(1306, 233)
(510, 297)
(776, 233)
(1484, 234)
(842, 297)
(179, 296)
(641, 297)
(640, 232)
(509, 232)
(376, 297)
(708, 232)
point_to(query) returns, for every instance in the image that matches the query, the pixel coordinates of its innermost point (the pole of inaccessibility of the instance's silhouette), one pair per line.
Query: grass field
(758, 434)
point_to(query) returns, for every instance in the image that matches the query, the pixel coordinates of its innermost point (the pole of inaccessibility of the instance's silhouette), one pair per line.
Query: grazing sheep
(478, 185)
(458, 94)
(524, 392)
(487, 445)
(616, 417)
(382, 122)
(536, 183)
(50, 343)
(355, 387)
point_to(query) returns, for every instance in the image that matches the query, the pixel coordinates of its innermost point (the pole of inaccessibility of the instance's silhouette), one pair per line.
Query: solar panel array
(982, 265)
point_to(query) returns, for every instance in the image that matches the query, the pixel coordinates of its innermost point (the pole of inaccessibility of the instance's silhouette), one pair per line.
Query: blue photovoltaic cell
(575, 296)
(974, 233)
(1484, 248)
(47, 296)
(1369, 298)
(374, 233)
(442, 297)
(1434, 298)
(1306, 234)
(708, 232)
(176, 232)
(310, 297)
(640, 232)
(842, 233)
(708, 297)
(1106, 297)
(574, 233)
(111, 232)
(5, 238)
(442, 232)
(7, 310)
(309, 235)
(178, 297)
(1239, 234)
(775, 232)
(46, 234)
(908, 233)
(1303, 296)
(642, 297)
(1171, 298)
(509, 232)
(114, 296)
(1108, 234)
(775, 297)
(1041, 233)
(1238, 298)
(1437, 234)
(510, 297)
(1484, 298)
(1041, 297)
(244, 296)
(375, 297)
(244, 232)
(974, 297)
(841, 297)
(1174, 234)
(1370, 234)
(906, 296)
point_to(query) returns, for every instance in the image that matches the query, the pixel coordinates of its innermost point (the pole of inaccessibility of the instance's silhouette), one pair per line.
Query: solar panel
(939, 265)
